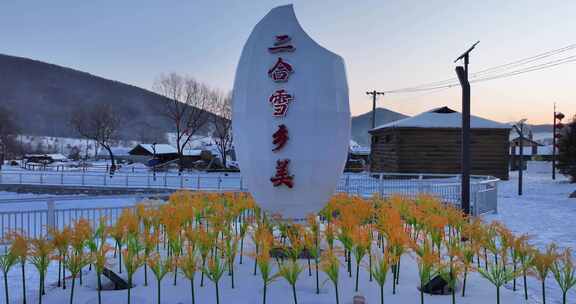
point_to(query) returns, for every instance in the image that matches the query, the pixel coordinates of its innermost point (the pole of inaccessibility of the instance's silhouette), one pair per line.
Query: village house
(431, 143)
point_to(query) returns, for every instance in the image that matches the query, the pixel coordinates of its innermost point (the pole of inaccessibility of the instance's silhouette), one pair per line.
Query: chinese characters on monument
(280, 138)
(282, 176)
(280, 100)
(280, 45)
(281, 71)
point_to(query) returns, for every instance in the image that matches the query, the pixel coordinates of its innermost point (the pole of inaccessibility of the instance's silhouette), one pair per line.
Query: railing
(221, 182)
(38, 222)
(35, 223)
(447, 187)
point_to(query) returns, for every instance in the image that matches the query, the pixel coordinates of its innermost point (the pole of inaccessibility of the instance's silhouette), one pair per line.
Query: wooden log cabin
(431, 141)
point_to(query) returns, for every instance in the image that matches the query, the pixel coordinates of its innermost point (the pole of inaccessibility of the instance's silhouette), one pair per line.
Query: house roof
(53, 156)
(442, 117)
(525, 141)
(160, 149)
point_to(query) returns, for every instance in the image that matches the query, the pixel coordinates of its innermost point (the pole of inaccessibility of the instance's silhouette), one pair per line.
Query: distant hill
(43, 95)
(362, 123)
(541, 128)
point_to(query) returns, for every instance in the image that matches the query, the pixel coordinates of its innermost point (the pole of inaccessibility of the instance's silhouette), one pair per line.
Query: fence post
(20, 177)
(475, 189)
(381, 185)
(181, 181)
(126, 180)
(41, 178)
(147, 179)
(105, 176)
(219, 182)
(198, 183)
(83, 173)
(495, 196)
(241, 186)
(347, 186)
(62, 178)
(50, 217)
(165, 180)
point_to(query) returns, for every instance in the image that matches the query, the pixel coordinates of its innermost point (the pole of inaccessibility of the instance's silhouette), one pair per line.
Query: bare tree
(99, 123)
(222, 123)
(186, 108)
(8, 134)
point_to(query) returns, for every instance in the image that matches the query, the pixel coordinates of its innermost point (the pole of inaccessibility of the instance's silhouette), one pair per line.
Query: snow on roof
(57, 156)
(121, 151)
(160, 148)
(198, 152)
(192, 152)
(443, 117)
(53, 156)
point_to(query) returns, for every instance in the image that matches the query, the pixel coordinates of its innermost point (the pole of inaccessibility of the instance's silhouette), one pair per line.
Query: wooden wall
(434, 150)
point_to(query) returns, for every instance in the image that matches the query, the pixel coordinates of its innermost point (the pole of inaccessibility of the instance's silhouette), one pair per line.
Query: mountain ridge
(43, 95)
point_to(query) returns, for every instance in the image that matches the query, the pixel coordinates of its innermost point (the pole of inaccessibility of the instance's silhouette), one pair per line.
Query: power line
(532, 68)
(484, 74)
(526, 60)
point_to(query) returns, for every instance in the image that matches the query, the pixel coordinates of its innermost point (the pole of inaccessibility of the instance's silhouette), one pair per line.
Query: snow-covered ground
(544, 211)
(248, 288)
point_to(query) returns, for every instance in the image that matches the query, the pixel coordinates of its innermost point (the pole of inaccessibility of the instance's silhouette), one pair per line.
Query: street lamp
(154, 161)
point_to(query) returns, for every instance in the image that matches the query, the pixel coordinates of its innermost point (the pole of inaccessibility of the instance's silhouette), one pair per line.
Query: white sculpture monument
(291, 117)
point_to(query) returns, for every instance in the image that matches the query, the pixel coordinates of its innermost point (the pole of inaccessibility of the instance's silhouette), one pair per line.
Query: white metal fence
(126, 180)
(36, 222)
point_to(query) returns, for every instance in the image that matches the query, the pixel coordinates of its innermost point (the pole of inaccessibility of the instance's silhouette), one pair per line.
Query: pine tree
(567, 151)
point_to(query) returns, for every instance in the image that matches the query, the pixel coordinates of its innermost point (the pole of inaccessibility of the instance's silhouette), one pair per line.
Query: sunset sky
(386, 45)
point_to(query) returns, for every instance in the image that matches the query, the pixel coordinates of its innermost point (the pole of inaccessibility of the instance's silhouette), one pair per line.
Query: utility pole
(520, 131)
(462, 73)
(374, 94)
(154, 161)
(2, 152)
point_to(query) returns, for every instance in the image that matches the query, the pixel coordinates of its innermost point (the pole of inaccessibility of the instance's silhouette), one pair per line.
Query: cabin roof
(442, 117)
(160, 149)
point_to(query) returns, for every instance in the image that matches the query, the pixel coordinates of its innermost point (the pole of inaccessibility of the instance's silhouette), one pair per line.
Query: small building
(163, 152)
(528, 144)
(358, 158)
(45, 158)
(431, 143)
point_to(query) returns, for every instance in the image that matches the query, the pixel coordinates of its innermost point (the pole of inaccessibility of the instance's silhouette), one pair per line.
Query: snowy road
(544, 211)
